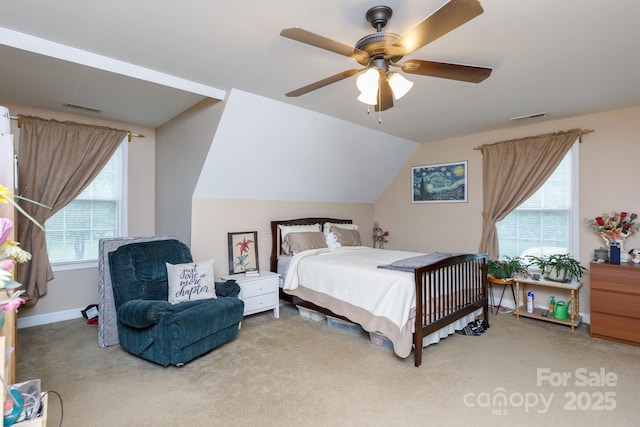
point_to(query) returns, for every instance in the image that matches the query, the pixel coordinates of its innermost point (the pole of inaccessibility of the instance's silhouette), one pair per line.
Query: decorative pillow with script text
(191, 282)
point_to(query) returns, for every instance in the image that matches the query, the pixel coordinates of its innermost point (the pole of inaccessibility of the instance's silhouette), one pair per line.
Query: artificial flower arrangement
(614, 226)
(11, 253)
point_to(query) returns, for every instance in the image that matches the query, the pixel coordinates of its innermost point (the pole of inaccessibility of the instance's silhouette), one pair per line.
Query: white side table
(259, 293)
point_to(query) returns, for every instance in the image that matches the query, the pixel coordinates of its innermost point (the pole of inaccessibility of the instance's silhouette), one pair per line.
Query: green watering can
(561, 310)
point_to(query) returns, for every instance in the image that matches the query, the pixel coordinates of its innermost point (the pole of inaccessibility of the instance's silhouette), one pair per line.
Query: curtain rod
(582, 132)
(130, 135)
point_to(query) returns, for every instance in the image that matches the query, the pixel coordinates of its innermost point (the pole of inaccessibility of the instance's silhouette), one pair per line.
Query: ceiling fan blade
(447, 18)
(322, 83)
(464, 73)
(307, 37)
(385, 95)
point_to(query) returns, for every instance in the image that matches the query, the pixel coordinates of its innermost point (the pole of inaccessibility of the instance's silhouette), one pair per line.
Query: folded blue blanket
(411, 264)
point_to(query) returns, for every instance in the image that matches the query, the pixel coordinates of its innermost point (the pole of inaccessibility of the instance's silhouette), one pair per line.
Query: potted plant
(557, 267)
(506, 268)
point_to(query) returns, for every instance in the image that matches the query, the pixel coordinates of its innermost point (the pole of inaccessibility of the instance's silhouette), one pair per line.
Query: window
(98, 212)
(547, 222)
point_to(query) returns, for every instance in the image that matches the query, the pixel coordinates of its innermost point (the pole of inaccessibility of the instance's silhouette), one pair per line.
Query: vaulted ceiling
(146, 61)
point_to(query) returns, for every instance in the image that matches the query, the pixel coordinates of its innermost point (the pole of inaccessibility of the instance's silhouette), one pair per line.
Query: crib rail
(447, 291)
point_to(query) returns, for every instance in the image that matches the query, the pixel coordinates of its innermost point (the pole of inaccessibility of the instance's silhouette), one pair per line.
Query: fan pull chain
(379, 104)
(379, 114)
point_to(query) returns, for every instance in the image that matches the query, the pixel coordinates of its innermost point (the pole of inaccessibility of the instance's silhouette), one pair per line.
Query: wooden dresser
(615, 302)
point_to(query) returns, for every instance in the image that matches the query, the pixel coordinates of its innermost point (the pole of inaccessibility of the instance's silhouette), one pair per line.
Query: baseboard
(44, 319)
(60, 316)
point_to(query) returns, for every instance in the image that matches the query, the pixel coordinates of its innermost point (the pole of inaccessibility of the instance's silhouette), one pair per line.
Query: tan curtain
(512, 172)
(56, 162)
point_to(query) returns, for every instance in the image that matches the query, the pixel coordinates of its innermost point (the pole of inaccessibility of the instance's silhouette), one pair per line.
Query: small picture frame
(243, 252)
(439, 183)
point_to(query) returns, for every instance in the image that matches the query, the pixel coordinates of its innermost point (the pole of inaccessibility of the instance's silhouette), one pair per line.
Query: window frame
(574, 222)
(121, 217)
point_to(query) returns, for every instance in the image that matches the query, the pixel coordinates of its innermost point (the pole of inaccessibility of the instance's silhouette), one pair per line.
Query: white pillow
(327, 226)
(191, 282)
(286, 229)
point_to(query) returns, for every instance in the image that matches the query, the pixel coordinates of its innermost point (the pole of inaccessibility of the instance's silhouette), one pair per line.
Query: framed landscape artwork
(243, 252)
(439, 183)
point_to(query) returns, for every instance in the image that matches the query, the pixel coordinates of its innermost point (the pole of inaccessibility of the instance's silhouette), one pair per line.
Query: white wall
(268, 150)
(273, 161)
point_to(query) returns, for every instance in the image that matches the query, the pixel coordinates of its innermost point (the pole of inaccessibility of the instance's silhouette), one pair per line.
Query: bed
(414, 299)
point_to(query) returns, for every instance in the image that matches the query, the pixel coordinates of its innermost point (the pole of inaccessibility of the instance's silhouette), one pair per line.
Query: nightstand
(259, 293)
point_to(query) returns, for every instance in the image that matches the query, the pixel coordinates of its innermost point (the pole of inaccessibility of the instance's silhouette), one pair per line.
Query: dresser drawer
(620, 304)
(616, 327)
(260, 303)
(259, 287)
(617, 278)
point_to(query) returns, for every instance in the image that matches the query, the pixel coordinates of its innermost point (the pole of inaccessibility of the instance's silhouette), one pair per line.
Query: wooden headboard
(275, 234)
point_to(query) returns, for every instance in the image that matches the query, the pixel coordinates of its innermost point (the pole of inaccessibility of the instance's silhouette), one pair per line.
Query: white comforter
(350, 274)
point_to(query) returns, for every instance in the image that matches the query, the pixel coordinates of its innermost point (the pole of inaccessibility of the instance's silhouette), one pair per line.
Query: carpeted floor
(294, 371)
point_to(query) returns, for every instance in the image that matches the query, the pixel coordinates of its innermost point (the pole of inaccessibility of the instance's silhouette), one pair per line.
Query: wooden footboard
(447, 291)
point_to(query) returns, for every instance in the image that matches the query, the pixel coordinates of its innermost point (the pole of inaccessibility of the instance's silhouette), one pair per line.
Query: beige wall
(607, 175)
(608, 179)
(214, 218)
(72, 289)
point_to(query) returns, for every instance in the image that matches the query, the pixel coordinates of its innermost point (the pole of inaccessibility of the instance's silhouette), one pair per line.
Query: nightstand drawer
(260, 303)
(259, 287)
(259, 293)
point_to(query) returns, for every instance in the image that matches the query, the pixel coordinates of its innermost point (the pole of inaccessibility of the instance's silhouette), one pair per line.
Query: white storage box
(311, 314)
(380, 340)
(336, 323)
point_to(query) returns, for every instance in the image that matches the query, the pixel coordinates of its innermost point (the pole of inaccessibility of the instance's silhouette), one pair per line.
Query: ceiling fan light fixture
(369, 97)
(368, 81)
(367, 84)
(400, 86)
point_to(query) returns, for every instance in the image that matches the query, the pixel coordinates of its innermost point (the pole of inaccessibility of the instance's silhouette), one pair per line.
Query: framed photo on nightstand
(243, 252)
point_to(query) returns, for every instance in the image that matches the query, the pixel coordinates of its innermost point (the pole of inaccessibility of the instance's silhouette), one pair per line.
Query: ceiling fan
(381, 50)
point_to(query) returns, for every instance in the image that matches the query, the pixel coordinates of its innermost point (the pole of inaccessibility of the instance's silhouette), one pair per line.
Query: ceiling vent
(82, 107)
(529, 116)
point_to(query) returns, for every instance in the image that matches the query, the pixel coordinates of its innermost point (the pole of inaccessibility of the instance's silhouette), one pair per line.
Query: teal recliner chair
(154, 329)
